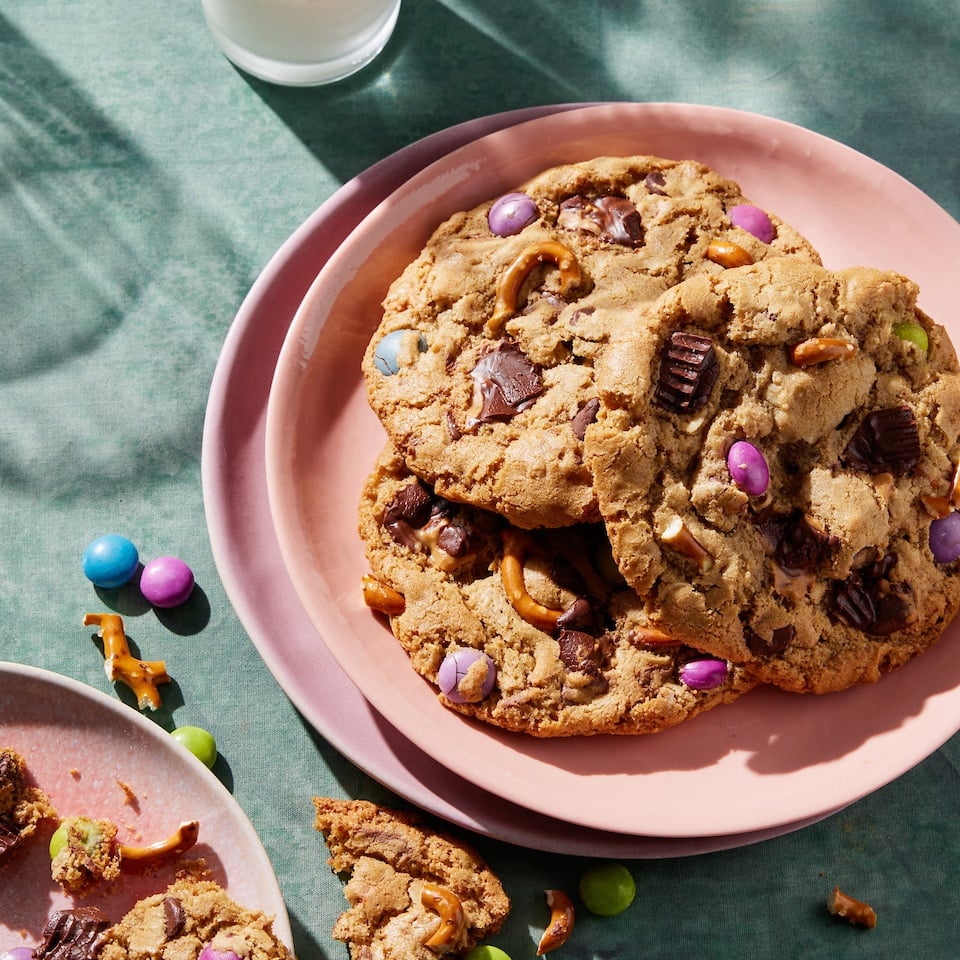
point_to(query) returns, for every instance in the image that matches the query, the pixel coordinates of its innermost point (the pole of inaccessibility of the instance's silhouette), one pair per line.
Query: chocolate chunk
(654, 181)
(580, 615)
(578, 652)
(454, 539)
(72, 934)
(887, 441)
(868, 601)
(174, 917)
(582, 419)
(408, 511)
(508, 382)
(688, 372)
(9, 838)
(613, 219)
(779, 640)
(794, 542)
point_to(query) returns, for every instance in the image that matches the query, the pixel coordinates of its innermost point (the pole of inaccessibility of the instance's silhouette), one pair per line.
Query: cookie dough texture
(389, 855)
(827, 578)
(22, 806)
(594, 674)
(190, 914)
(527, 462)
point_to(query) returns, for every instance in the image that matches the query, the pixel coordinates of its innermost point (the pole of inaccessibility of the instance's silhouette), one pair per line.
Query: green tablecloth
(145, 182)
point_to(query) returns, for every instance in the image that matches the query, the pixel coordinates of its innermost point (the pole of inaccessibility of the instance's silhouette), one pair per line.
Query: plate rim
(123, 714)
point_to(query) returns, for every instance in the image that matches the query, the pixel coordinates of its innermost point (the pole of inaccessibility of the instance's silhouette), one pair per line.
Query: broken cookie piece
(414, 894)
(22, 806)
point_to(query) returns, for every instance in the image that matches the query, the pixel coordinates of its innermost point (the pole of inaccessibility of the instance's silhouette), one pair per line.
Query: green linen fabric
(145, 182)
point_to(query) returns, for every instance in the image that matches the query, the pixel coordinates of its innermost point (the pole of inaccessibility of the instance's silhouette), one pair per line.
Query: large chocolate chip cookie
(775, 458)
(482, 367)
(531, 631)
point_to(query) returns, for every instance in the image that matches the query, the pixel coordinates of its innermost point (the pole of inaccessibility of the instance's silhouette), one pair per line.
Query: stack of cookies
(645, 452)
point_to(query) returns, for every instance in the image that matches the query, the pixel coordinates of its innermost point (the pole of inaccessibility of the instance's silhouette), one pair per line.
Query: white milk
(301, 42)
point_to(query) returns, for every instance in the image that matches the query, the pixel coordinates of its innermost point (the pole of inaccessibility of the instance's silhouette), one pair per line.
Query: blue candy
(110, 561)
(386, 352)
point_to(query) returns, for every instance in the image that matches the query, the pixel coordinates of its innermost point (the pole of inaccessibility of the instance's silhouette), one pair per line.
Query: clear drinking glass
(301, 42)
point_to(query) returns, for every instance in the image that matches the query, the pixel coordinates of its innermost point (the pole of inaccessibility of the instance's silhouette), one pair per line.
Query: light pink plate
(95, 756)
(768, 760)
(248, 556)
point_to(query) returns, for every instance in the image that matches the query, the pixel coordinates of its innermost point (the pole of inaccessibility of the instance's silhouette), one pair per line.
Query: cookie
(415, 893)
(481, 369)
(192, 917)
(532, 631)
(775, 460)
(22, 806)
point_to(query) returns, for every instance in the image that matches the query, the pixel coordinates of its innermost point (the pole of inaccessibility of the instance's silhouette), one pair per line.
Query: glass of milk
(301, 42)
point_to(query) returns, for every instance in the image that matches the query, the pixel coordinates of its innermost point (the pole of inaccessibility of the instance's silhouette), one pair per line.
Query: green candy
(486, 952)
(58, 841)
(607, 889)
(199, 742)
(914, 333)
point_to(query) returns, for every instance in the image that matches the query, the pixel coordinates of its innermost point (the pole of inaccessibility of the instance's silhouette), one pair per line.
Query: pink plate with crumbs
(771, 758)
(95, 756)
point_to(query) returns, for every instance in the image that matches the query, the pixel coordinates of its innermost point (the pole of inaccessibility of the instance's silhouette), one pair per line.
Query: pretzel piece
(141, 676)
(515, 547)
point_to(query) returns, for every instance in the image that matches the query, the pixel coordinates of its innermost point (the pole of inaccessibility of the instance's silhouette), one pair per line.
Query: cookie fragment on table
(414, 893)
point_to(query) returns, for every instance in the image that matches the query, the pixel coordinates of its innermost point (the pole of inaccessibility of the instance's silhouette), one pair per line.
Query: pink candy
(166, 582)
(753, 220)
(704, 674)
(748, 468)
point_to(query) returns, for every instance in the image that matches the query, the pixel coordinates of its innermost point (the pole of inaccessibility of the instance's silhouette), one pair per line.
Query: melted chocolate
(613, 219)
(72, 934)
(508, 382)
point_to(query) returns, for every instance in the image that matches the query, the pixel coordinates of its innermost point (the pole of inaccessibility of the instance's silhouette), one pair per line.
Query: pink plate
(771, 758)
(95, 756)
(248, 555)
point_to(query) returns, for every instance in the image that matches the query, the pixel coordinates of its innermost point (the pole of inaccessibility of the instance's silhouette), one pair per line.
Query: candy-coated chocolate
(58, 840)
(110, 561)
(166, 582)
(753, 220)
(704, 674)
(484, 951)
(454, 669)
(511, 213)
(748, 468)
(607, 889)
(18, 953)
(387, 351)
(914, 333)
(945, 538)
(199, 742)
(208, 953)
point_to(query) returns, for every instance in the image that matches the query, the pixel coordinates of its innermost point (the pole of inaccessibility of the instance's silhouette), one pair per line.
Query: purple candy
(511, 213)
(753, 220)
(454, 668)
(17, 953)
(748, 467)
(945, 538)
(166, 582)
(704, 674)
